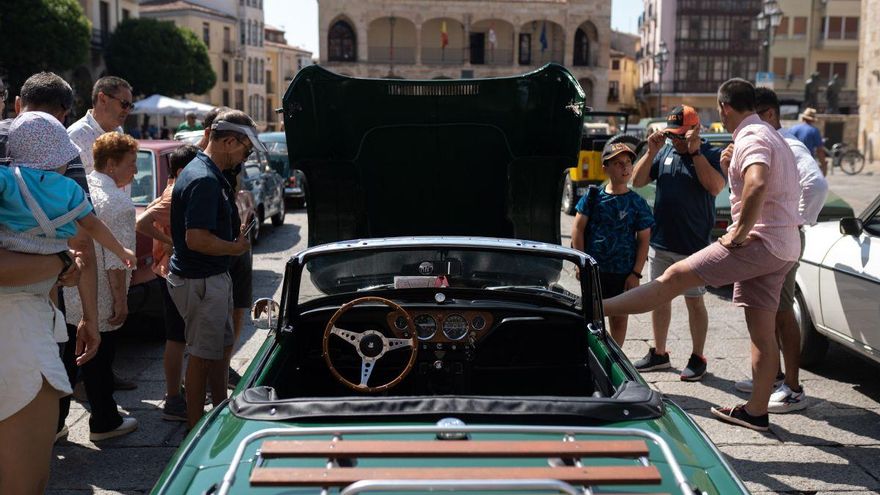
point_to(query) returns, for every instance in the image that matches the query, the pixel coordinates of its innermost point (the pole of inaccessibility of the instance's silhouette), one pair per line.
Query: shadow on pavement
(278, 239)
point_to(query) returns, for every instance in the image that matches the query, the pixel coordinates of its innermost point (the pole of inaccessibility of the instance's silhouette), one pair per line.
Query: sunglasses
(125, 104)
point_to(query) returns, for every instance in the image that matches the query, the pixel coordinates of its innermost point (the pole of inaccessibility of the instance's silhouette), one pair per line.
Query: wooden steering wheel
(370, 345)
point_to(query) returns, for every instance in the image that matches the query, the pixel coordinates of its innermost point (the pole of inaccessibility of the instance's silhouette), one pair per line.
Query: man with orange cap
(687, 170)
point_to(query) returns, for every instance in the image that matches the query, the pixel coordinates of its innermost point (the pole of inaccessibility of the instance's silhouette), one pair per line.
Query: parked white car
(838, 284)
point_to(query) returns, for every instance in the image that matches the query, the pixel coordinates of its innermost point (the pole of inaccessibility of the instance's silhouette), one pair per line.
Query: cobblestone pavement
(832, 447)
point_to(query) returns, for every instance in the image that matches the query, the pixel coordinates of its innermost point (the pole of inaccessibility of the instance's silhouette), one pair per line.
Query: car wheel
(568, 195)
(813, 344)
(278, 218)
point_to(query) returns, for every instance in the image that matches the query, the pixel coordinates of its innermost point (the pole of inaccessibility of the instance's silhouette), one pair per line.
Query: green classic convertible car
(436, 336)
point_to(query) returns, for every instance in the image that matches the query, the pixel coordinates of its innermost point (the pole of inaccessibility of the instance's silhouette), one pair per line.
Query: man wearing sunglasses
(687, 170)
(111, 104)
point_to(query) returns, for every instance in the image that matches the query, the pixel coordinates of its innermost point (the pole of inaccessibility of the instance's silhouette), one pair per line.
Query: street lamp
(768, 20)
(660, 59)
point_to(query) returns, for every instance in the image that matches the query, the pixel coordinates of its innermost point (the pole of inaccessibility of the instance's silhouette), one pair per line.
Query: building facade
(623, 73)
(104, 16)
(441, 39)
(817, 37)
(708, 42)
(240, 64)
(869, 80)
(283, 61)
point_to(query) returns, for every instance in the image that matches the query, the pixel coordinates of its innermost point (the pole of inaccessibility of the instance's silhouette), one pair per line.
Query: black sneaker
(737, 415)
(233, 380)
(694, 370)
(653, 361)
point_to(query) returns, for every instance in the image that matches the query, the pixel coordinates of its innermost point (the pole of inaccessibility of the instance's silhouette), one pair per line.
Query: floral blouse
(114, 207)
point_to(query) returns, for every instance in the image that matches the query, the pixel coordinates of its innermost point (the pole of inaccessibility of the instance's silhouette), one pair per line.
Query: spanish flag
(444, 35)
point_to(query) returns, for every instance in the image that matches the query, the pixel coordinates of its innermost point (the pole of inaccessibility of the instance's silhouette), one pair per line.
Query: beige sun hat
(809, 115)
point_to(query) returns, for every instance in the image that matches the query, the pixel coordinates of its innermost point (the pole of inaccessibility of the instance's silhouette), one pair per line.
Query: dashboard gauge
(455, 327)
(400, 322)
(478, 322)
(426, 326)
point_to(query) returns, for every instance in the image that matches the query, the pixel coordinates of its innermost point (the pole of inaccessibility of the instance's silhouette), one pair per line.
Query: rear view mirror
(850, 226)
(265, 312)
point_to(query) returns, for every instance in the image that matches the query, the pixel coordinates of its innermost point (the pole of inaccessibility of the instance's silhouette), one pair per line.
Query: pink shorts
(756, 274)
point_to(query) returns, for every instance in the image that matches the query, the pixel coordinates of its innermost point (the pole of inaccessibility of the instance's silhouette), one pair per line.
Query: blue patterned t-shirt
(611, 228)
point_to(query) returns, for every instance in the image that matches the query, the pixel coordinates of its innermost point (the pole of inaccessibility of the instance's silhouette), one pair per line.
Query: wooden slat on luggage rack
(379, 448)
(342, 476)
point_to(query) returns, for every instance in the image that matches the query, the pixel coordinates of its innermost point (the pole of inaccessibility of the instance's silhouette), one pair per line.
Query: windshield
(419, 268)
(142, 186)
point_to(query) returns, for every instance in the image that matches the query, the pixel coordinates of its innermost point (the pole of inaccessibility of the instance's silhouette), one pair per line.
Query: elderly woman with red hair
(115, 167)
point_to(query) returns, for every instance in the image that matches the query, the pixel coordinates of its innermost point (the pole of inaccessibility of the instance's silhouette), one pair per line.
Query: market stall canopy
(170, 107)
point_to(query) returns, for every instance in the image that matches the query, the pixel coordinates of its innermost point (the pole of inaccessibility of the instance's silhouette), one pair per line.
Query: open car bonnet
(443, 157)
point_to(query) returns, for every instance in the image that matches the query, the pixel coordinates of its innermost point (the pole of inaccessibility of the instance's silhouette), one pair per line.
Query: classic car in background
(838, 286)
(294, 179)
(444, 360)
(835, 207)
(267, 189)
(153, 166)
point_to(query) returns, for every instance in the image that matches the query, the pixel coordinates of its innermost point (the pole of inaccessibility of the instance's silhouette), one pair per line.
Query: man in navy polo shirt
(688, 174)
(202, 209)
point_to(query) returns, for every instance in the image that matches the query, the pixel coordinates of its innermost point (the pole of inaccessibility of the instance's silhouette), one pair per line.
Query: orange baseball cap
(681, 119)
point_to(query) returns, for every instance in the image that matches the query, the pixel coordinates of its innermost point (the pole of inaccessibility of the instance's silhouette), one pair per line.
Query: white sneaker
(128, 425)
(786, 400)
(746, 385)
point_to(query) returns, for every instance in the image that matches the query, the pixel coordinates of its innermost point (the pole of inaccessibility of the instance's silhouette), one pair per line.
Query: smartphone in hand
(251, 226)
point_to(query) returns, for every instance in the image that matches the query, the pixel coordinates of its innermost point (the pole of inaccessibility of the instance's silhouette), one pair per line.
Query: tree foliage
(38, 35)
(158, 57)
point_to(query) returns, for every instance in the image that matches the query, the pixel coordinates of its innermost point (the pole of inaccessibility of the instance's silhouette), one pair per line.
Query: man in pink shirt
(755, 254)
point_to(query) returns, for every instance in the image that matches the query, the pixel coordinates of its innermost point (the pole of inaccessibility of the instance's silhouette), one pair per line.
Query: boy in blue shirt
(613, 225)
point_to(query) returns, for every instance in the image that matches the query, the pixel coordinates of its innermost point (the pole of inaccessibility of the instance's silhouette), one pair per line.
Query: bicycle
(847, 158)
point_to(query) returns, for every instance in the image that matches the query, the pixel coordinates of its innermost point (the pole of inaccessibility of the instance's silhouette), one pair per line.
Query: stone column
(515, 46)
(418, 43)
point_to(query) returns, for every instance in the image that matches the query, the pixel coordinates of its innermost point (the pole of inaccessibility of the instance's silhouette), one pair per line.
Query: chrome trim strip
(469, 485)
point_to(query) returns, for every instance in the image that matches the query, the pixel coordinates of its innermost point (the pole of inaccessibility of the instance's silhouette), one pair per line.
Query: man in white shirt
(111, 104)
(789, 395)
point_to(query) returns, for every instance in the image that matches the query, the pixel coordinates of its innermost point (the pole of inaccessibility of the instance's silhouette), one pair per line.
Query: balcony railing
(547, 56)
(498, 56)
(385, 55)
(440, 56)
(727, 46)
(695, 86)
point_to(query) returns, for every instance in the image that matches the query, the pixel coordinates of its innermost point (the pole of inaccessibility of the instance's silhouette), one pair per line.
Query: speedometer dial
(455, 327)
(426, 326)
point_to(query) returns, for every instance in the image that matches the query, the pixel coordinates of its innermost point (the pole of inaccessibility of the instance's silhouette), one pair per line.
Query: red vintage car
(144, 298)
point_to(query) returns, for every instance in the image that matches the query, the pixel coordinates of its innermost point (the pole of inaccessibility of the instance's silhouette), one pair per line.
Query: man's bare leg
(618, 326)
(217, 376)
(675, 280)
(765, 358)
(660, 318)
(790, 339)
(172, 362)
(196, 382)
(698, 320)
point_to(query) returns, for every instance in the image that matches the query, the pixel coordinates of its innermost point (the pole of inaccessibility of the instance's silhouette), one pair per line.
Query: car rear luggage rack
(564, 474)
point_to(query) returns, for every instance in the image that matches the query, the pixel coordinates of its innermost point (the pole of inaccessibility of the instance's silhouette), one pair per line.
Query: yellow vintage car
(599, 128)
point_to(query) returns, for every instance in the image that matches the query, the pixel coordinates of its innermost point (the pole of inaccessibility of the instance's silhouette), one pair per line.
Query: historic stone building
(869, 80)
(438, 39)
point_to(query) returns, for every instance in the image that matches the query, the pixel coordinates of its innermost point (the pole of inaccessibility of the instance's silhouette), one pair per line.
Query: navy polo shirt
(684, 212)
(201, 199)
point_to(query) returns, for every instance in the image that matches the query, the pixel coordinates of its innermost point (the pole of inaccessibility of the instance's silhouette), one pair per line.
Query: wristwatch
(66, 259)
(637, 274)
(695, 154)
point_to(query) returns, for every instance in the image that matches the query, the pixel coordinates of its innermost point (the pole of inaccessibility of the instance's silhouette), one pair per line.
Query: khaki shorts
(786, 297)
(205, 305)
(661, 260)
